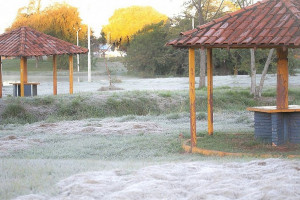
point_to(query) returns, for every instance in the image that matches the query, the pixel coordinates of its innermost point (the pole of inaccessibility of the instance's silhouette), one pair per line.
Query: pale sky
(94, 12)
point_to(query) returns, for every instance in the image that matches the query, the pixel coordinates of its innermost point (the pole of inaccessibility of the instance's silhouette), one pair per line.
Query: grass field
(244, 143)
(48, 138)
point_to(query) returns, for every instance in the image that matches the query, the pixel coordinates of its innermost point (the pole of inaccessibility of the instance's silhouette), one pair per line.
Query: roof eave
(266, 46)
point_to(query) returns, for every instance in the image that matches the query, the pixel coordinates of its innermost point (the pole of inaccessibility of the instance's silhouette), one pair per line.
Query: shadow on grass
(244, 143)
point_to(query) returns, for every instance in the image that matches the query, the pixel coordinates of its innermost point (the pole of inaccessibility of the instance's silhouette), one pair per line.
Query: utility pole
(89, 55)
(77, 45)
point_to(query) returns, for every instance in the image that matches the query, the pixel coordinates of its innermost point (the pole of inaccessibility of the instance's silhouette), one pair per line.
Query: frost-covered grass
(140, 103)
(108, 131)
(33, 157)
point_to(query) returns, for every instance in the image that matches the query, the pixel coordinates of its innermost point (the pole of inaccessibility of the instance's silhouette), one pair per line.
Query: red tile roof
(27, 42)
(266, 24)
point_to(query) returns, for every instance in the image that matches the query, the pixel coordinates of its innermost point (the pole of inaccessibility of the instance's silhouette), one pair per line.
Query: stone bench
(277, 126)
(30, 89)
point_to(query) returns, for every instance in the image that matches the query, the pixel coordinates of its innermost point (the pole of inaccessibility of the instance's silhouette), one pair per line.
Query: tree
(207, 10)
(258, 90)
(254, 90)
(126, 22)
(148, 55)
(243, 3)
(58, 20)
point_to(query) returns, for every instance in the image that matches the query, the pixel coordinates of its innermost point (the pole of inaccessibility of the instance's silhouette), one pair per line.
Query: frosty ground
(132, 83)
(134, 157)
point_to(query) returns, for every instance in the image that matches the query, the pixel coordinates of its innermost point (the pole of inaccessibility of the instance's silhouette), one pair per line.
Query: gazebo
(266, 24)
(25, 42)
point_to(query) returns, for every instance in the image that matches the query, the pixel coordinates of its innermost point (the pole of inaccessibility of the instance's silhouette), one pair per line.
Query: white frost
(131, 83)
(96, 127)
(14, 143)
(260, 179)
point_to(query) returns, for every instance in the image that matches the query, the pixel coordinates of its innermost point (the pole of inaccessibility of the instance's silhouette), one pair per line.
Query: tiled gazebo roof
(266, 24)
(25, 41)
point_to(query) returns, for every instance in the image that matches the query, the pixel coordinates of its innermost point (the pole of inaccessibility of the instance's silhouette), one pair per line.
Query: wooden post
(54, 75)
(22, 78)
(192, 97)
(282, 79)
(71, 73)
(1, 78)
(25, 70)
(210, 117)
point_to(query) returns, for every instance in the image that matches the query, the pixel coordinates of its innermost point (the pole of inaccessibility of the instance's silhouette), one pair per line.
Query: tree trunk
(202, 69)
(235, 71)
(202, 52)
(253, 72)
(200, 12)
(258, 92)
(36, 62)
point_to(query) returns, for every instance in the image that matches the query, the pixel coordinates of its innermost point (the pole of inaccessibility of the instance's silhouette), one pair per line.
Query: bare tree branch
(207, 9)
(196, 5)
(218, 9)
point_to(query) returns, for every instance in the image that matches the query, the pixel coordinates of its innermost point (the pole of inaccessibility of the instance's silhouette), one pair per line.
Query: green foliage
(14, 65)
(202, 116)
(148, 55)
(165, 94)
(40, 101)
(63, 62)
(173, 116)
(80, 108)
(294, 61)
(126, 106)
(131, 104)
(15, 113)
(226, 62)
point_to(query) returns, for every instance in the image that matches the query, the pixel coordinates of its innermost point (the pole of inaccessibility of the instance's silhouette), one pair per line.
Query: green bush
(16, 114)
(201, 116)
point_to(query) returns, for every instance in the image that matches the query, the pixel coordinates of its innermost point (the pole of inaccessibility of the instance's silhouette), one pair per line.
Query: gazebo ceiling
(27, 42)
(266, 24)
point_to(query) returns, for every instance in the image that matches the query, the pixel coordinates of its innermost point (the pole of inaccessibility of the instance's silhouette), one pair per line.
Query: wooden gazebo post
(282, 79)
(22, 75)
(210, 117)
(25, 70)
(1, 77)
(192, 97)
(71, 73)
(54, 75)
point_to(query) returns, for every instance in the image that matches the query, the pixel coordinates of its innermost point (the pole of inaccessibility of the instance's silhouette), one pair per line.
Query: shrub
(17, 114)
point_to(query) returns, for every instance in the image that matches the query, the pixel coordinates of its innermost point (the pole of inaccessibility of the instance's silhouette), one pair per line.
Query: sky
(93, 12)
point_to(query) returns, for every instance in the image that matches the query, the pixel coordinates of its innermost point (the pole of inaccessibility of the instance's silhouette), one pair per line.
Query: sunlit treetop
(125, 22)
(59, 20)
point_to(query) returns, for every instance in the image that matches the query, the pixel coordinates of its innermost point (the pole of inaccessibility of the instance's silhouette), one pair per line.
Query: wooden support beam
(22, 79)
(25, 70)
(1, 83)
(54, 75)
(71, 73)
(210, 117)
(192, 97)
(282, 79)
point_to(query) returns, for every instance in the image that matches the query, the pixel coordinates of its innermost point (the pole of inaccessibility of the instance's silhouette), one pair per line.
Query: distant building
(106, 50)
